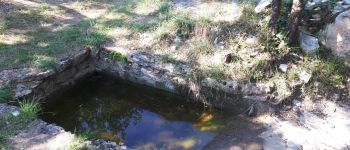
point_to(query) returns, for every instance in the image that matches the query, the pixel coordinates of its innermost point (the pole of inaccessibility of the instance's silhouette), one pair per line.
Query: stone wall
(152, 70)
(29, 82)
(142, 68)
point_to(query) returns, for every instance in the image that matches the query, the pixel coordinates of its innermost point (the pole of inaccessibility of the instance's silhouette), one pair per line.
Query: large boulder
(338, 35)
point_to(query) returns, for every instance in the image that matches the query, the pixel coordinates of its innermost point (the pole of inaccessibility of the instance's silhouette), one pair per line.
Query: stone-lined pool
(135, 115)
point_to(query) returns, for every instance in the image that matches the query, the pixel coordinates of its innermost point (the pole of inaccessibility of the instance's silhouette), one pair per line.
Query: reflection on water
(138, 116)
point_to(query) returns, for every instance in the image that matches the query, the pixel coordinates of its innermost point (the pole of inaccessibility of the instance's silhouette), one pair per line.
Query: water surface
(137, 116)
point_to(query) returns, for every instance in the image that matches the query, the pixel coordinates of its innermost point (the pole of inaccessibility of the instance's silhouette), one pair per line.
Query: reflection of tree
(109, 117)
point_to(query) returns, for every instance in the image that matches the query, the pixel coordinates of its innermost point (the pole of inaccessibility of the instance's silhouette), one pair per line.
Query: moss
(118, 56)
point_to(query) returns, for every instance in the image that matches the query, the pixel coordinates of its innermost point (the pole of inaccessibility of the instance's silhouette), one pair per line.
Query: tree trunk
(276, 9)
(293, 24)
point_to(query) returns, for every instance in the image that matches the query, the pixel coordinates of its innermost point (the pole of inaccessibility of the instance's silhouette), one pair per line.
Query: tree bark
(276, 10)
(293, 24)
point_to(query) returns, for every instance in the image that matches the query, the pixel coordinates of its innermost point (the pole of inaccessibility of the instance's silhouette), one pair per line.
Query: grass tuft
(118, 56)
(43, 62)
(185, 26)
(30, 108)
(80, 138)
(171, 59)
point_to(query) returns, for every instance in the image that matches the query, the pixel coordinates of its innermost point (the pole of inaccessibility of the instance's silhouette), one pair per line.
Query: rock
(22, 90)
(252, 41)
(312, 4)
(283, 67)
(346, 2)
(262, 5)
(304, 76)
(229, 86)
(228, 58)
(308, 44)
(169, 67)
(338, 35)
(107, 145)
(15, 113)
(256, 89)
(178, 41)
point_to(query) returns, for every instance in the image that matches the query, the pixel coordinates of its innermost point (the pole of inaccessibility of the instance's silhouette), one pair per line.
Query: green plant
(185, 26)
(138, 27)
(5, 95)
(70, 34)
(80, 138)
(215, 72)
(43, 62)
(118, 56)
(30, 108)
(171, 59)
(164, 7)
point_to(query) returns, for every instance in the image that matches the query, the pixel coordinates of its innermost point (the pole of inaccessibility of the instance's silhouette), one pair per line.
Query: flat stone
(283, 67)
(305, 76)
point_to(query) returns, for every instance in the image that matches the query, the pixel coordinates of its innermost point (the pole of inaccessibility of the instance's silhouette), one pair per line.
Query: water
(137, 116)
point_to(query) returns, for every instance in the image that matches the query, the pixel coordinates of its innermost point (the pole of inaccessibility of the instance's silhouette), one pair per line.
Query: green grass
(215, 72)
(80, 138)
(24, 18)
(139, 26)
(44, 62)
(10, 124)
(5, 95)
(184, 26)
(30, 108)
(203, 48)
(118, 56)
(76, 34)
(170, 59)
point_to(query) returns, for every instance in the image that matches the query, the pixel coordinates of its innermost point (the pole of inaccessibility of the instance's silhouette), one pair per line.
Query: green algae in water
(137, 116)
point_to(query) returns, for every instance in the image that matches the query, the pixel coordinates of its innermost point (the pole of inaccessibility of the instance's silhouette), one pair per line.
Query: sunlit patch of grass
(44, 6)
(118, 56)
(184, 26)
(76, 34)
(258, 71)
(25, 18)
(80, 138)
(202, 48)
(142, 26)
(44, 62)
(216, 72)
